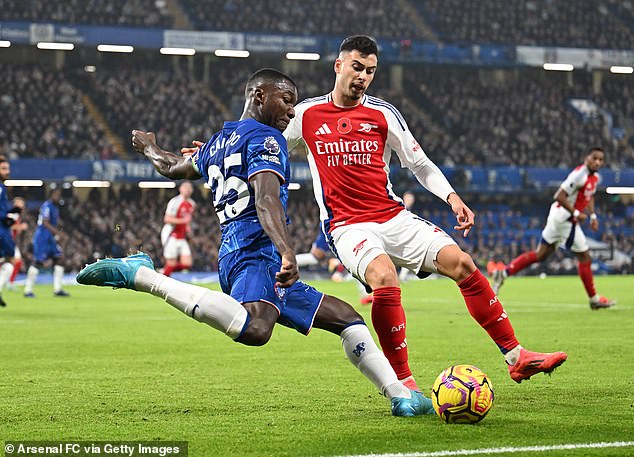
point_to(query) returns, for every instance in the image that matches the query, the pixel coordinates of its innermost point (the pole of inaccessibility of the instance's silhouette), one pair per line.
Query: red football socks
(521, 262)
(585, 273)
(485, 308)
(388, 318)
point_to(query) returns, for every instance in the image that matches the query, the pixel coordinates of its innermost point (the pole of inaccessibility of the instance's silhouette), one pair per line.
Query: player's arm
(47, 225)
(412, 156)
(561, 197)
(594, 220)
(273, 219)
(169, 164)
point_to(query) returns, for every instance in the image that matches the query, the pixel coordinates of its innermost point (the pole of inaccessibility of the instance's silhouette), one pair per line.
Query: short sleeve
(575, 180)
(267, 151)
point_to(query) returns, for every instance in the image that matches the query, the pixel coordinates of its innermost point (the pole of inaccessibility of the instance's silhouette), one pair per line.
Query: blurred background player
(177, 219)
(18, 227)
(46, 247)
(320, 253)
(8, 217)
(563, 227)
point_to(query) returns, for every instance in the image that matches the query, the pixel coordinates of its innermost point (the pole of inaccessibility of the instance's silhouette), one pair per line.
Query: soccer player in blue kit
(246, 165)
(46, 247)
(8, 216)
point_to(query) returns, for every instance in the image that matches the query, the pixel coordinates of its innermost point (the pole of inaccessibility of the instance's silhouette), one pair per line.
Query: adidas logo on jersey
(323, 130)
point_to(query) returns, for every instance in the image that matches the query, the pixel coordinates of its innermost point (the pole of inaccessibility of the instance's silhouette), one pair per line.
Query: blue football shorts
(7, 244)
(250, 277)
(45, 247)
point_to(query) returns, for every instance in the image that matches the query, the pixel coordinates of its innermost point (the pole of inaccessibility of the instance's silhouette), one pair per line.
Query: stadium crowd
(147, 13)
(43, 115)
(482, 117)
(124, 219)
(603, 24)
(582, 23)
(387, 19)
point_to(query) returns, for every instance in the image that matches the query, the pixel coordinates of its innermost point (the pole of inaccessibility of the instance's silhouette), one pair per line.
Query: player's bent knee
(258, 333)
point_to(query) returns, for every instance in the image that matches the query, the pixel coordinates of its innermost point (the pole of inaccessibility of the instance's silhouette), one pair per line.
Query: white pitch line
(504, 450)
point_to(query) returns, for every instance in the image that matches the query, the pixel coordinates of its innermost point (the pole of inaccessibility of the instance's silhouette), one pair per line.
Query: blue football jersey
(227, 161)
(50, 211)
(4, 202)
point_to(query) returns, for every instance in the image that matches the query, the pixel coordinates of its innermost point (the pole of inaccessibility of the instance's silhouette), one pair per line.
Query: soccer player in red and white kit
(563, 227)
(348, 137)
(178, 215)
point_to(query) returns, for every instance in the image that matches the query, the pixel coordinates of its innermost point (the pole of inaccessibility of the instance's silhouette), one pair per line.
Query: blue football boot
(418, 405)
(114, 272)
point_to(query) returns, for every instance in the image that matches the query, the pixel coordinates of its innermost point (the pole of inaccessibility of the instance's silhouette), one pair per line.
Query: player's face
(595, 160)
(278, 104)
(5, 171)
(186, 189)
(354, 72)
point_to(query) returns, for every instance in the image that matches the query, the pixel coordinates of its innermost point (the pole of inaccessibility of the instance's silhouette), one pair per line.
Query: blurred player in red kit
(178, 216)
(563, 227)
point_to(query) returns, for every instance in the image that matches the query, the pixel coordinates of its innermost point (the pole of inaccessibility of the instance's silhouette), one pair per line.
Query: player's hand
(187, 152)
(288, 274)
(464, 215)
(594, 224)
(582, 217)
(142, 139)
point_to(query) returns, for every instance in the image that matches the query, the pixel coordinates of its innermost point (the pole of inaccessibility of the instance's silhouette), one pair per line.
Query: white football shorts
(560, 231)
(176, 247)
(409, 240)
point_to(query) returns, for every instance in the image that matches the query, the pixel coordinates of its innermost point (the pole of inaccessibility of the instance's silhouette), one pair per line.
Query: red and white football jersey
(580, 185)
(349, 152)
(177, 207)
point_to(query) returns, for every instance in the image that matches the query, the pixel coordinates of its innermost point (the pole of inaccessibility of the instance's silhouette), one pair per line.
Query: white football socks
(58, 275)
(305, 260)
(513, 355)
(5, 273)
(364, 354)
(215, 309)
(31, 277)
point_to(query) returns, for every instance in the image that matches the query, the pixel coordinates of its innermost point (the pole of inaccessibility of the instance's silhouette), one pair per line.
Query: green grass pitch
(121, 365)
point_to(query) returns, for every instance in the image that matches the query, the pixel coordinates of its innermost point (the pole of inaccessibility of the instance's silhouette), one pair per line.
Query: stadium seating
(42, 114)
(583, 23)
(385, 18)
(146, 13)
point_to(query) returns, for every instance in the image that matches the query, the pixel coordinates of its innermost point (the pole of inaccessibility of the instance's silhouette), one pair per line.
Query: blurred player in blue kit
(8, 216)
(246, 165)
(46, 247)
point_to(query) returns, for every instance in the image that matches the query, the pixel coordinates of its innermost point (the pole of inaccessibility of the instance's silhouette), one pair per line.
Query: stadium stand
(386, 19)
(124, 218)
(582, 23)
(146, 13)
(42, 114)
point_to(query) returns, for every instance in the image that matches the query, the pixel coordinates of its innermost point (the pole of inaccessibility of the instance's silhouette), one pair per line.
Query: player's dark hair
(595, 148)
(270, 75)
(3, 159)
(365, 44)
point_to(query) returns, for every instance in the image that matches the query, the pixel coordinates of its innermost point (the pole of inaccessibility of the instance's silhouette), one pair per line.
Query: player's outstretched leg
(136, 272)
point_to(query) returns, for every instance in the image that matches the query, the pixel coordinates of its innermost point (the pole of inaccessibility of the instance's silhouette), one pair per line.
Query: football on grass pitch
(462, 394)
